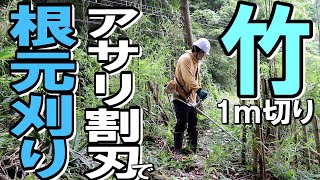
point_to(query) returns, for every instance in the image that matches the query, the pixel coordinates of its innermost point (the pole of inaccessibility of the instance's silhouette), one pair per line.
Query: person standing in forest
(187, 77)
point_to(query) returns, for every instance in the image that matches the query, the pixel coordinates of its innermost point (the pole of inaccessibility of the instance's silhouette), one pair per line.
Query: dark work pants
(185, 115)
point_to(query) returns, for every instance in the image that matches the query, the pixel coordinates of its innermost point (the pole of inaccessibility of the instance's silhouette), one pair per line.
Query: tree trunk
(185, 15)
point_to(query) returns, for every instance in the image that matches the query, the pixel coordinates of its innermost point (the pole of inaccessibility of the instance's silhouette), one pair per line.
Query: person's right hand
(202, 94)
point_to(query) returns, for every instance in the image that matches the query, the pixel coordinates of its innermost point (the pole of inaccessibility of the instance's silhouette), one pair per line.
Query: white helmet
(203, 44)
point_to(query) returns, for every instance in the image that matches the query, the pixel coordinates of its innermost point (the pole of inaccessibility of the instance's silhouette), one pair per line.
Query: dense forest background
(266, 152)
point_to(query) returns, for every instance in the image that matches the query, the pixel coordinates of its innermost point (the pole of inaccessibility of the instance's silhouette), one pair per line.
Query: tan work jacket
(188, 75)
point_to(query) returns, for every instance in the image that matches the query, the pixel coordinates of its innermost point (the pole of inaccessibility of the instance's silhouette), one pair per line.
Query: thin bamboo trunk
(275, 75)
(306, 152)
(148, 102)
(278, 133)
(258, 150)
(264, 96)
(316, 134)
(153, 89)
(261, 152)
(318, 19)
(255, 158)
(295, 137)
(264, 90)
(243, 138)
(262, 157)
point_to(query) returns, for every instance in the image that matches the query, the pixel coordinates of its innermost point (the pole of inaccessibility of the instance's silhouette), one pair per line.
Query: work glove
(202, 94)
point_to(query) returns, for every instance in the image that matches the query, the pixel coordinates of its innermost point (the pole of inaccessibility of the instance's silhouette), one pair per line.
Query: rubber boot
(193, 141)
(178, 139)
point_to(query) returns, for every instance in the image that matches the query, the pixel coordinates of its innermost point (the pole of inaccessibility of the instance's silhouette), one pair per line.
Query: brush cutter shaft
(202, 113)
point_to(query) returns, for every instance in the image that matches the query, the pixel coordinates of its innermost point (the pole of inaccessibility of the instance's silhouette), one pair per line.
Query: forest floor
(196, 167)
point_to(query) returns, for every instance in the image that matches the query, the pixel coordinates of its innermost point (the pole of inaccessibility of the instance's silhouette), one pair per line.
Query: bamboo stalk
(295, 137)
(148, 112)
(154, 92)
(311, 151)
(278, 133)
(262, 136)
(258, 155)
(255, 146)
(243, 138)
(271, 131)
(318, 18)
(315, 153)
(255, 157)
(148, 100)
(275, 75)
(316, 135)
(262, 157)
(267, 95)
(312, 160)
(306, 152)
